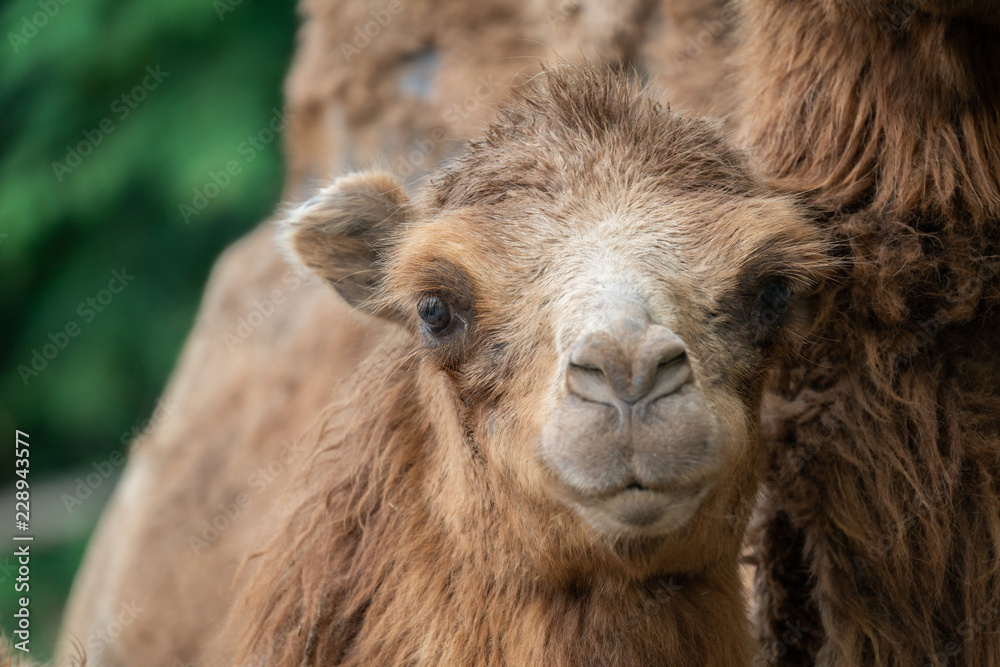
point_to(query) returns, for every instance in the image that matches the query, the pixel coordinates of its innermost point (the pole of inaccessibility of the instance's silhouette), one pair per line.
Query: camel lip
(642, 511)
(636, 489)
(639, 495)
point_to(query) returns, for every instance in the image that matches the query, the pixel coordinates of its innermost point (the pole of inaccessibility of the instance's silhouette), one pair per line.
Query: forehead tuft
(575, 130)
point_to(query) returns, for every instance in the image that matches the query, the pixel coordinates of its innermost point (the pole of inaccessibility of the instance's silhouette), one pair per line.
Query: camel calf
(547, 457)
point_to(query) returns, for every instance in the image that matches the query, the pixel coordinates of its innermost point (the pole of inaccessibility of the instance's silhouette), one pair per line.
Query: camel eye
(772, 302)
(435, 313)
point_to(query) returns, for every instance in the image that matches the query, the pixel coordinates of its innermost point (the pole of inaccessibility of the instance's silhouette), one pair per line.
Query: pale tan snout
(632, 444)
(628, 371)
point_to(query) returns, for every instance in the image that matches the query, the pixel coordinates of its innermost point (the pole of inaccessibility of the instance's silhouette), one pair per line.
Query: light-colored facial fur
(610, 305)
(587, 300)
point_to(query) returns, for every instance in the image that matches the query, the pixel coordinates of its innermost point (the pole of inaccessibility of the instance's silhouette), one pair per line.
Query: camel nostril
(670, 377)
(590, 382)
(666, 355)
(663, 348)
(672, 361)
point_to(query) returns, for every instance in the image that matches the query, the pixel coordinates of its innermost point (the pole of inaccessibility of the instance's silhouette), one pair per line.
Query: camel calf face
(595, 291)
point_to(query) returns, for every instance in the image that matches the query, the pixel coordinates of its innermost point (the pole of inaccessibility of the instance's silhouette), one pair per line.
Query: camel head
(594, 293)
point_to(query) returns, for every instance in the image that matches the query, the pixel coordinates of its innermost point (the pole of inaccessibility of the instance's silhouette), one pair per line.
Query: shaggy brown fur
(883, 112)
(880, 532)
(235, 407)
(424, 530)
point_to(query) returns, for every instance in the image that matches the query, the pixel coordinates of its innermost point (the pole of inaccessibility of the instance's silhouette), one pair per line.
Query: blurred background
(136, 142)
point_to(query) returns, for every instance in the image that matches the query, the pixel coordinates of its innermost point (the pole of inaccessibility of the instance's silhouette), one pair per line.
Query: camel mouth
(638, 510)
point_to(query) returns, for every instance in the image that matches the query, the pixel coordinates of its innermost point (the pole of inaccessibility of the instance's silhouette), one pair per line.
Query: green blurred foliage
(65, 228)
(120, 206)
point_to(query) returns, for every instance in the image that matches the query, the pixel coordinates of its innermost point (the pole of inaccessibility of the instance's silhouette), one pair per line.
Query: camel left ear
(342, 232)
